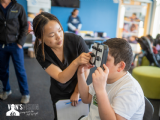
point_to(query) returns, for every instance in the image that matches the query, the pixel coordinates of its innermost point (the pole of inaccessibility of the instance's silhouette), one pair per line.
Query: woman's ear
(121, 66)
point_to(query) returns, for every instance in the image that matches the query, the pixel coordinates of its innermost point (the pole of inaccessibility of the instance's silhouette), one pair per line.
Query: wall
(23, 3)
(96, 15)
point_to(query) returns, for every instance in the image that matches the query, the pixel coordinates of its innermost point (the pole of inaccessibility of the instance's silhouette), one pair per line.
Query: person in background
(74, 22)
(150, 38)
(134, 28)
(151, 41)
(134, 17)
(40, 11)
(157, 42)
(114, 94)
(59, 54)
(30, 23)
(13, 28)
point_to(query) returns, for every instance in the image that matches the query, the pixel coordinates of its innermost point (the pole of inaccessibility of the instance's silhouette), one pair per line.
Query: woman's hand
(83, 59)
(76, 30)
(74, 98)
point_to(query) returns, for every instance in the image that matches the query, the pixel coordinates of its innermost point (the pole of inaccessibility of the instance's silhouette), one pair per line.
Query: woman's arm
(75, 96)
(65, 75)
(72, 27)
(79, 26)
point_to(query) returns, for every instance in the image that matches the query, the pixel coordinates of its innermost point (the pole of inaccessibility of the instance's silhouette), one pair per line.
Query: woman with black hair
(74, 22)
(60, 55)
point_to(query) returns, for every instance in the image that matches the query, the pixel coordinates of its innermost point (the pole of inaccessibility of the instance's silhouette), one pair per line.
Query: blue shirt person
(74, 22)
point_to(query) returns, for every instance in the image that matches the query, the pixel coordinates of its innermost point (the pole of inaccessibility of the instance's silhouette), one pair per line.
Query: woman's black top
(73, 46)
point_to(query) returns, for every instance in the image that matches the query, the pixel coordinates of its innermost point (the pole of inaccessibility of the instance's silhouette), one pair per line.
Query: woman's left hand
(74, 98)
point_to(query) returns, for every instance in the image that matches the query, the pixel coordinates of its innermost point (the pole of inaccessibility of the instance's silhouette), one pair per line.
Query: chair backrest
(149, 110)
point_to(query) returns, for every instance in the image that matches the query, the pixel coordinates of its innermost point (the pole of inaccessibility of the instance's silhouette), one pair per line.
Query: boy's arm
(75, 96)
(82, 85)
(106, 112)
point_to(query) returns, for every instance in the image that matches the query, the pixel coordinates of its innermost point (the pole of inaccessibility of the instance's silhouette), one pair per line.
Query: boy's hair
(121, 50)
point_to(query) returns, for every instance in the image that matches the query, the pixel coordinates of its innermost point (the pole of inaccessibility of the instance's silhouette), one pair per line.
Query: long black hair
(38, 28)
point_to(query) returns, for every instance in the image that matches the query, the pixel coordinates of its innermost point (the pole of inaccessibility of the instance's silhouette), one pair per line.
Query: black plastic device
(99, 55)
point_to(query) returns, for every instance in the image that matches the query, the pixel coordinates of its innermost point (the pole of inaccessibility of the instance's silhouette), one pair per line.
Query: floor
(40, 106)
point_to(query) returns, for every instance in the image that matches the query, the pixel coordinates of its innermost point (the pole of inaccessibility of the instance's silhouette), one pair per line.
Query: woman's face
(53, 35)
(76, 12)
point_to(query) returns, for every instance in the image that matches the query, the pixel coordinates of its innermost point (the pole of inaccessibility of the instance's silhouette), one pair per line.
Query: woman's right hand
(83, 59)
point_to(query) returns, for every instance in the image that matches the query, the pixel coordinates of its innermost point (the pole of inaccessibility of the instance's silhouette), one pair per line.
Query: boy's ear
(121, 66)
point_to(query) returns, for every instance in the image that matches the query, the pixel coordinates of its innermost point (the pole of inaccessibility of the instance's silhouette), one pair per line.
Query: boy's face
(112, 67)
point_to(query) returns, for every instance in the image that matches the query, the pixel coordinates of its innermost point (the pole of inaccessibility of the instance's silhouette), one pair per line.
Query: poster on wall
(35, 7)
(134, 15)
(130, 31)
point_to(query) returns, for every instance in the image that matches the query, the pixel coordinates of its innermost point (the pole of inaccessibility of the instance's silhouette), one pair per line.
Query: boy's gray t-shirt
(126, 98)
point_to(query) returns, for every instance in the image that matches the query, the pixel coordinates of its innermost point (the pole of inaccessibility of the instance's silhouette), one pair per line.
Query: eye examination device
(99, 55)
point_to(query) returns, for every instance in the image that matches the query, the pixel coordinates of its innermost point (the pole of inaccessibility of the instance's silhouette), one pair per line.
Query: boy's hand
(74, 98)
(99, 78)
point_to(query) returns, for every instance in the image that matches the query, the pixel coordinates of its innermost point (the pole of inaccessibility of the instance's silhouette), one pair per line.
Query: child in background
(157, 42)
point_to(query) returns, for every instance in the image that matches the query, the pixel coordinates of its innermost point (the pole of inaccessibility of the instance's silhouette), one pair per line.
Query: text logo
(15, 11)
(12, 110)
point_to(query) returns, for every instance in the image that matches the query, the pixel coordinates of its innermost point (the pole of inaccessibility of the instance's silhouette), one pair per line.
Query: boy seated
(114, 94)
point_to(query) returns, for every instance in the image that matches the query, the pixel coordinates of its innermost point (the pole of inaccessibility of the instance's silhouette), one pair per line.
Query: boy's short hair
(121, 50)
